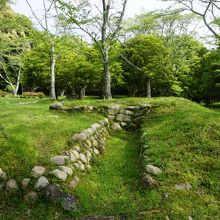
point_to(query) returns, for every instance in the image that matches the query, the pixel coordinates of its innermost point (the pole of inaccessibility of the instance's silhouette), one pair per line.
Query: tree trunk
(105, 49)
(17, 83)
(107, 77)
(62, 92)
(148, 88)
(82, 92)
(53, 63)
(133, 92)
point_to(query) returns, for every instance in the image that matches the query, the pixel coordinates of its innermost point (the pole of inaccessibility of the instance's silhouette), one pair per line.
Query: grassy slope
(30, 133)
(183, 140)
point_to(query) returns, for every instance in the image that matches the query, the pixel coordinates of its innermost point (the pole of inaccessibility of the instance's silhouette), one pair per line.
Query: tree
(14, 42)
(163, 23)
(103, 28)
(149, 57)
(77, 68)
(205, 84)
(45, 26)
(177, 31)
(208, 10)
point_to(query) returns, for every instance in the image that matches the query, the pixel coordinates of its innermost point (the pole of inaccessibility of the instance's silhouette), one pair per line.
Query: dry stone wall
(63, 168)
(119, 116)
(84, 146)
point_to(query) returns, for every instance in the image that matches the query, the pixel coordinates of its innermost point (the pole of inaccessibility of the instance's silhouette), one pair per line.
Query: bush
(32, 94)
(2, 93)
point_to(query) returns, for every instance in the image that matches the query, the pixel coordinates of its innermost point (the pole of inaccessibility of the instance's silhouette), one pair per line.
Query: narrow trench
(113, 186)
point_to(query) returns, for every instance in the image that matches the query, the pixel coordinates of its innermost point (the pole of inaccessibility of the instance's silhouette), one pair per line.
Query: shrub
(33, 94)
(3, 93)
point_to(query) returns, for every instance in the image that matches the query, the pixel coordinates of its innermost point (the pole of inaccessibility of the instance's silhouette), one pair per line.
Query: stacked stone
(118, 115)
(150, 171)
(130, 116)
(85, 146)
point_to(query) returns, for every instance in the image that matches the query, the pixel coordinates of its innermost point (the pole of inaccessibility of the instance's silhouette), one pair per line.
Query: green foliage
(8, 88)
(14, 29)
(186, 54)
(182, 139)
(206, 78)
(151, 59)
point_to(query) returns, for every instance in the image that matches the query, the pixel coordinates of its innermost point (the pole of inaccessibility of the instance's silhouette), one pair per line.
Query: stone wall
(63, 168)
(84, 146)
(119, 116)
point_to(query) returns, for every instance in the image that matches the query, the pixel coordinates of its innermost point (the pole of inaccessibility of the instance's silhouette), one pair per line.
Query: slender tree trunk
(105, 49)
(62, 92)
(82, 92)
(53, 63)
(17, 83)
(148, 88)
(107, 76)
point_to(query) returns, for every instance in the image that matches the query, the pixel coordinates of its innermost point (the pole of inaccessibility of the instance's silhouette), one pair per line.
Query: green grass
(183, 140)
(113, 186)
(31, 133)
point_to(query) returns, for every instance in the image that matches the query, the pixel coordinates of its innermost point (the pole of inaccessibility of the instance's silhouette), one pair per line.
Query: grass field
(183, 140)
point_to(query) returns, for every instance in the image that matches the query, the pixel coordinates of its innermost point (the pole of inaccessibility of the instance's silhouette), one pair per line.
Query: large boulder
(25, 182)
(56, 106)
(66, 170)
(52, 193)
(113, 110)
(69, 202)
(123, 118)
(183, 186)
(74, 182)
(79, 137)
(148, 181)
(83, 158)
(116, 126)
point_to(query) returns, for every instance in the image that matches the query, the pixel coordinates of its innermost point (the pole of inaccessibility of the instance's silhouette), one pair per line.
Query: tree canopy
(155, 53)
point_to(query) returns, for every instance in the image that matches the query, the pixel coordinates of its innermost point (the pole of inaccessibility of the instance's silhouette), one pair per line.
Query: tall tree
(45, 26)
(101, 24)
(149, 58)
(14, 42)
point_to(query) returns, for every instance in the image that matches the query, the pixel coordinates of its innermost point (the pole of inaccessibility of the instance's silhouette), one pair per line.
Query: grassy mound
(183, 139)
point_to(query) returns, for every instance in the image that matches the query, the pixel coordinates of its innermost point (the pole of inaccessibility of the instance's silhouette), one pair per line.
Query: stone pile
(118, 115)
